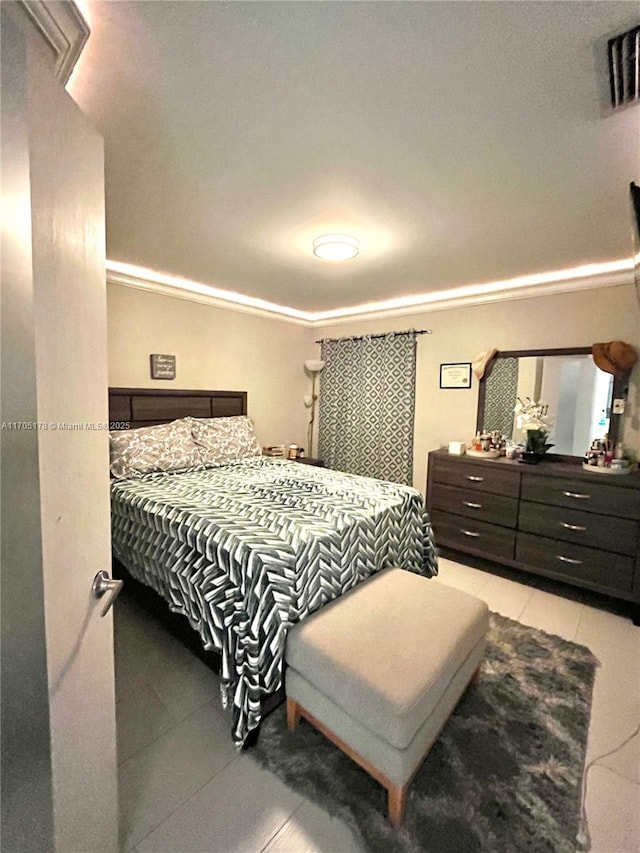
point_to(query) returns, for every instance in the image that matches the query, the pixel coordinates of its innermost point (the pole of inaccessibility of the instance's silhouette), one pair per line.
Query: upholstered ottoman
(379, 670)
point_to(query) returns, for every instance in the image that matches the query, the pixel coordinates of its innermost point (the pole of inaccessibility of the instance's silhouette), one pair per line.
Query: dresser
(552, 519)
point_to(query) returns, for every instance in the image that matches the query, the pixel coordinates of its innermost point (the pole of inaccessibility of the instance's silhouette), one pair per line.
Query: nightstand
(309, 460)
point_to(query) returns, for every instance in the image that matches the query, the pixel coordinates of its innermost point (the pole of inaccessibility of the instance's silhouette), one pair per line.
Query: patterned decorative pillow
(225, 439)
(166, 447)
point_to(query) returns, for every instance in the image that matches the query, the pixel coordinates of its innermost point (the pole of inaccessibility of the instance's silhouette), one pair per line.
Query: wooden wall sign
(163, 366)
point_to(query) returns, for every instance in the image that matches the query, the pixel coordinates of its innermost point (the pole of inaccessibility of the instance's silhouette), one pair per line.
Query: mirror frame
(620, 384)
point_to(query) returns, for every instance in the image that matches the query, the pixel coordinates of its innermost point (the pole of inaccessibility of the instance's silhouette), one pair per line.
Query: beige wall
(215, 349)
(459, 334)
(220, 348)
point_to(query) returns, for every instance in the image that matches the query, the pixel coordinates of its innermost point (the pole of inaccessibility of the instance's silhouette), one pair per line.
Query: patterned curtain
(367, 405)
(501, 397)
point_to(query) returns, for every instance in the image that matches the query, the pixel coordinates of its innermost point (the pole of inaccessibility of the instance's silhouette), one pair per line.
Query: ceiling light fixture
(336, 247)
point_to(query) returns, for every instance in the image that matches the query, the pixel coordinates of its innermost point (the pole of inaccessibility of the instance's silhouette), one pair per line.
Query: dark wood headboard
(137, 407)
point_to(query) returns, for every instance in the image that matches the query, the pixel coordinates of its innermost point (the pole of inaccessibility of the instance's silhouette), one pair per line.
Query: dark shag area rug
(504, 776)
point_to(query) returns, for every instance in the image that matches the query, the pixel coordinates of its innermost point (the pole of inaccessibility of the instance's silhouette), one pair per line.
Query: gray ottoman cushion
(386, 652)
(397, 764)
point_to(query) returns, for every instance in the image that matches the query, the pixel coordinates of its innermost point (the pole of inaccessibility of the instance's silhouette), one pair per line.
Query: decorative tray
(484, 454)
(594, 469)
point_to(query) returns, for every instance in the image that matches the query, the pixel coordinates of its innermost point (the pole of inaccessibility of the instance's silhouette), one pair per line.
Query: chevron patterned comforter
(246, 549)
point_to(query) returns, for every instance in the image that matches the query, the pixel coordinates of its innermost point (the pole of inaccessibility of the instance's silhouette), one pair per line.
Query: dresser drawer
(484, 478)
(584, 528)
(600, 569)
(476, 537)
(579, 494)
(481, 506)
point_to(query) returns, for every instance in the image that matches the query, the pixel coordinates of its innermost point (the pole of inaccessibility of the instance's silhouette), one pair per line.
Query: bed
(243, 545)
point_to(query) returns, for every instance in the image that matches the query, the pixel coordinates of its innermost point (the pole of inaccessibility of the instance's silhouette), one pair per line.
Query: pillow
(166, 447)
(225, 439)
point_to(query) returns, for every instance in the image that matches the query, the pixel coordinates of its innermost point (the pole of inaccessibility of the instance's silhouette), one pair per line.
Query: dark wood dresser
(552, 519)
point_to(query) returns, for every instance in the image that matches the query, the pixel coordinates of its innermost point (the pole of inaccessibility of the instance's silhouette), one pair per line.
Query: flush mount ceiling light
(336, 247)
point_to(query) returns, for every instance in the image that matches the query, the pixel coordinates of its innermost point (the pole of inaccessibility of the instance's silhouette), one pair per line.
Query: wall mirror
(579, 395)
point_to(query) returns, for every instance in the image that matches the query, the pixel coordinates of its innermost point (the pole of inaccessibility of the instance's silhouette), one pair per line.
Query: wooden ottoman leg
(293, 714)
(397, 802)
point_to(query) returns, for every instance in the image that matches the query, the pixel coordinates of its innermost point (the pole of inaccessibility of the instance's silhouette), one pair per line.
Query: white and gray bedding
(247, 548)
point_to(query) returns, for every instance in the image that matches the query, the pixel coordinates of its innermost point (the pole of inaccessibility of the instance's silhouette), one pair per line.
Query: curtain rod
(380, 335)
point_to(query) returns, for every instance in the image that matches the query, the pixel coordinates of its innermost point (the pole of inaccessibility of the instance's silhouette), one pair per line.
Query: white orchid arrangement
(532, 415)
(534, 419)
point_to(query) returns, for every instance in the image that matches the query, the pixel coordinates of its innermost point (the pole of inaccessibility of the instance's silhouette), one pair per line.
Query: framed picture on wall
(163, 366)
(455, 375)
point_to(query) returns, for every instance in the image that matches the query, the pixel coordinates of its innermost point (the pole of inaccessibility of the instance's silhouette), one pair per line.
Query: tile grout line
(280, 828)
(184, 802)
(578, 623)
(635, 782)
(158, 736)
(149, 687)
(524, 606)
(166, 731)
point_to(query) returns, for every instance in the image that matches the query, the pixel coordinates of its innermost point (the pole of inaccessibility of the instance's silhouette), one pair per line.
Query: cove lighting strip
(602, 274)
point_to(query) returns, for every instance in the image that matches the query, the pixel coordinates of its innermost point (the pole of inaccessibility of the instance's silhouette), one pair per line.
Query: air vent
(624, 67)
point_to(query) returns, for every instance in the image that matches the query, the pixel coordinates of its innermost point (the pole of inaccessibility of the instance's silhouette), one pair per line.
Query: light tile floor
(185, 789)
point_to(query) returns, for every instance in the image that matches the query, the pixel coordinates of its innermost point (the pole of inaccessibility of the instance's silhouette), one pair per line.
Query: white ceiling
(461, 142)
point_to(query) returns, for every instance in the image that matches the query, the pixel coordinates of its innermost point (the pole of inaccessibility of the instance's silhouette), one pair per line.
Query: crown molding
(457, 299)
(525, 288)
(151, 285)
(64, 30)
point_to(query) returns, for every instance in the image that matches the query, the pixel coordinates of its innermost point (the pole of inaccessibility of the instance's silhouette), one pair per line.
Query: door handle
(104, 585)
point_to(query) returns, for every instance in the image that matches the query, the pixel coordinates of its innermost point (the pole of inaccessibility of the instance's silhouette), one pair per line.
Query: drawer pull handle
(569, 560)
(572, 526)
(472, 505)
(474, 479)
(470, 533)
(576, 495)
